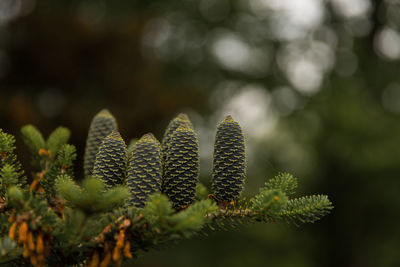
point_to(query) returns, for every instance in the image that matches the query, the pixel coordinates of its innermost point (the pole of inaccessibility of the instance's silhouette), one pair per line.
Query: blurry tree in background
(315, 84)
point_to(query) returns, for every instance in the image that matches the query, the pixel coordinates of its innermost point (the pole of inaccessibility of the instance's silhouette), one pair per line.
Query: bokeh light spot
(387, 44)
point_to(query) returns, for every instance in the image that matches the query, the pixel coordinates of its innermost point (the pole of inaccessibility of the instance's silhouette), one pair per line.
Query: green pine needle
(269, 203)
(285, 182)
(308, 209)
(7, 142)
(33, 139)
(92, 216)
(91, 197)
(10, 169)
(192, 219)
(157, 209)
(62, 164)
(57, 139)
(9, 176)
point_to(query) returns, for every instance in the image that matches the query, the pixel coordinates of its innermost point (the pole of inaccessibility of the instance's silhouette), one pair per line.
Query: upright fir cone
(181, 119)
(181, 168)
(144, 171)
(111, 160)
(101, 126)
(229, 163)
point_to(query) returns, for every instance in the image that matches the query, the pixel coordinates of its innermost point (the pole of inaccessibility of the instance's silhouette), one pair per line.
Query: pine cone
(179, 120)
(181, 167)
(229, 163)
(144, 171)
(101, 126)
(111, 160)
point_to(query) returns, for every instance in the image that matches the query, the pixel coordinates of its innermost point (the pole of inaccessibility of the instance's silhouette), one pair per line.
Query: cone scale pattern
(229, 163)
(111, 160)
(181, 168)
(101, 126)
(181, 119)
(144, 171)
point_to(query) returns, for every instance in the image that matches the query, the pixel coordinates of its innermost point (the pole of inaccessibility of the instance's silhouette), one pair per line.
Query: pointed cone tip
(105, 113)
(114, 135)
(182, 116)
(148, 137)
(229, 118)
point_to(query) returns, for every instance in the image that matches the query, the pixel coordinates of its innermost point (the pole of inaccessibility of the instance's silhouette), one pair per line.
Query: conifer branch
(308, 209)
(57, 139)
(10, 168)
(91, 197)
(33, 139)
(285, 182)
(130, 201)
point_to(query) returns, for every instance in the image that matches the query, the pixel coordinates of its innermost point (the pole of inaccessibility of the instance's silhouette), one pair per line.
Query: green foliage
(91, 197)
(229, 163)
(157, 209)
(64, 160)
(269, 203)
(70, 229)
(285, 182)
(193, 219)
(10, 169)
(42, 151)
(57, 139)
(111, 160)
(7, 147)
(44, 216)
(201, 191)
(234, 216)
(62, 164)
(9, 176)
(15, 195)
(8, 250)
(37, 208)
(272, 202)
(163, 223)
(90, 221)
(144, 170)
(181, 167)
(101, 126)
(75, 236)
(4, 223)
(307, 209)
(6, 142)
(33, 139)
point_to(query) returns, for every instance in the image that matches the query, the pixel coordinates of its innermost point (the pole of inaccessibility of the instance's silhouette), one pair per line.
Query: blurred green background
(315, 85)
